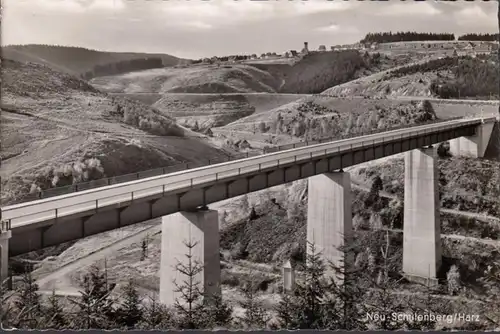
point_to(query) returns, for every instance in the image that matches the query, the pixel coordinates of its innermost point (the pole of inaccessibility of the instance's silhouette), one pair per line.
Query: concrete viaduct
(181, 198)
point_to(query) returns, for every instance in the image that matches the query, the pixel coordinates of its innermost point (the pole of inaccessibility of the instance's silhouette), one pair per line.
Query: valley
(60, 128)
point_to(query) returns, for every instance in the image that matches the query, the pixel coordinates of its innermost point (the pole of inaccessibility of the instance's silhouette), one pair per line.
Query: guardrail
(46, 209)
(57, 191)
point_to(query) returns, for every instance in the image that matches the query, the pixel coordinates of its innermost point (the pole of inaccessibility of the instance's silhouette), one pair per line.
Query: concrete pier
(473, 146)
(5, 235)
(422, 230)
(201, 229)
(329, 218)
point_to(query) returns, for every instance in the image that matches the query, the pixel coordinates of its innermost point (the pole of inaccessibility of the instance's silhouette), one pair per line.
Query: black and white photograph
(250, 165)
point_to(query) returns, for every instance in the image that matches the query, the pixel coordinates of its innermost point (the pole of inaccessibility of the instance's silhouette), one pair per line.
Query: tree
(443, 150)
(54, 314)
(287, 311)
(219, 313)
(144, 249)
(453, 280)
(245, 205)
(350, 124)
(129, 313)
(262, 127)
(156, 316)
(426, 304)
(377, 185)
(189, 306)
(254, 315)
(95, 310)
(6, 308)
(293, 211)
(442, 182)
(223, 218)
(311, 293)
(28, 303)
(383, 301)
(491, 282)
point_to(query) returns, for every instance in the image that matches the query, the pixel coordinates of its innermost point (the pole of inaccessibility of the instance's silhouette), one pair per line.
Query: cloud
(334, 28)
(331, 28)
(200, 28)
(408, 9)
(71, 6)
(313, 7)
(474, 13)
(197, 25)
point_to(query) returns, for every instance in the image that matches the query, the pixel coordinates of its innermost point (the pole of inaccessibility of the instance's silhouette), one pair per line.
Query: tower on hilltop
(306, 48)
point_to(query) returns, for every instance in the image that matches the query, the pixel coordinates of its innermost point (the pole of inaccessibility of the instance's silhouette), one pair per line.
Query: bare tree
(453, 280)
(189, 305)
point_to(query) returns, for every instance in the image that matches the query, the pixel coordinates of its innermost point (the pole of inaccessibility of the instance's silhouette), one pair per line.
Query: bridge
(181, 198)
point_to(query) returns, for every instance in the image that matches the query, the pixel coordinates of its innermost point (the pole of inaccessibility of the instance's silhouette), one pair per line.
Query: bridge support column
(329, 219)
(473, 146)
(194, 234)
(5, 235)
(422, 229)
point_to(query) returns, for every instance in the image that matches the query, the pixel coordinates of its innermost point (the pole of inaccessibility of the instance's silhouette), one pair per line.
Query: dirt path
(482, 217)
(97, 255)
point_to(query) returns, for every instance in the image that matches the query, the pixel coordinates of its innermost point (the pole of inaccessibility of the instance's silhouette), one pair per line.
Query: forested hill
(83, 62)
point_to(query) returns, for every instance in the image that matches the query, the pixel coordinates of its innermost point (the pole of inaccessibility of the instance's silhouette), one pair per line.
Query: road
(65, 205)
(322, 95)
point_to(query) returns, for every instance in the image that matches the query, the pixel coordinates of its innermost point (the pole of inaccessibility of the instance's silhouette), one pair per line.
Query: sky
(198, 28)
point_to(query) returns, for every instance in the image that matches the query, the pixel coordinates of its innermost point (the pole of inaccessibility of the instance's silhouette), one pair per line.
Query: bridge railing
(57, 191)
(69, 204)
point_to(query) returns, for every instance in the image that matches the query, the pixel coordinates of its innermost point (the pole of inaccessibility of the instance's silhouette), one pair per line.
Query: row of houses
(460, 46)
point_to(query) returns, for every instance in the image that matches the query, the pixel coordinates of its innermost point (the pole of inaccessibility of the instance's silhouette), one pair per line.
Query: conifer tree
(95, 309)
(129, 313)
(144, 248)
(287, 311)
(453, 280)
(189, 306)
(311, 292)
(218, 312)
(344, 294)
(491, 281)
(382, 300)
(156, 316)
(254, 316)
(55, 315)
(245, 205)
(28, 303)
(7, 310)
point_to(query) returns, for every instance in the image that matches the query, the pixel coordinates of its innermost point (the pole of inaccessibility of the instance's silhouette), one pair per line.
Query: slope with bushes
(58, 130)
(313, 118)
(316, 72)
(444, 77)
(470, 78)
(190, 79)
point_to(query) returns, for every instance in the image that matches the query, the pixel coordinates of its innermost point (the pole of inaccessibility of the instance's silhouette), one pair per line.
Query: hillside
(76, 60)
(321, 116)
(309, 74)
(442, 77)
(190, 79)
(317, 71)
(201, 112)
(86, 134)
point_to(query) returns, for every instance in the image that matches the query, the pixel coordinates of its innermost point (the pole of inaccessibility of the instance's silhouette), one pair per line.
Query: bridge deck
(49, 221)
